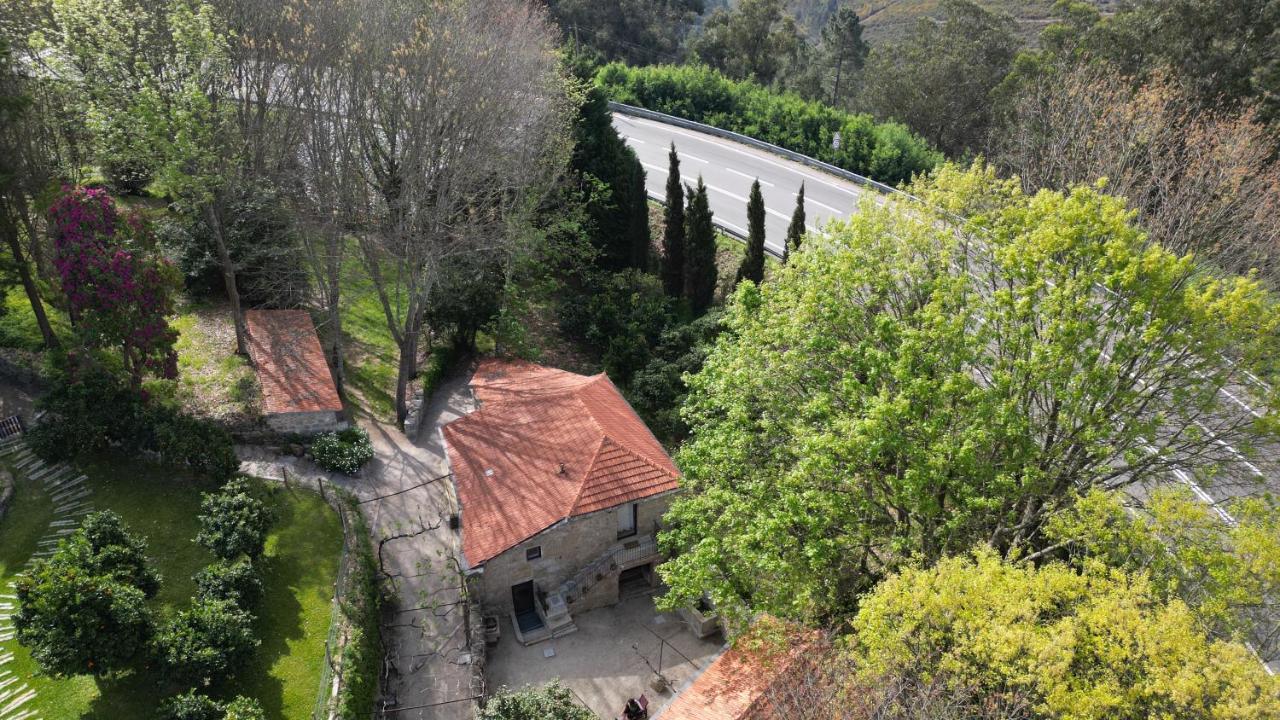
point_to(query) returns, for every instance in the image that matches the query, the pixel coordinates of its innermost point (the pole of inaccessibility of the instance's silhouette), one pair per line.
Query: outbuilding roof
(544, 446)
(291, 366)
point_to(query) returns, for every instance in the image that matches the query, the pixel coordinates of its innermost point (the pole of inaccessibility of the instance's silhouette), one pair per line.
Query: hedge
(887, 152)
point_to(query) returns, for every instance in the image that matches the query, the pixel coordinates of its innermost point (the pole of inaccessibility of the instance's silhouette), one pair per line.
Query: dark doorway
(526, 613)
(634, 581)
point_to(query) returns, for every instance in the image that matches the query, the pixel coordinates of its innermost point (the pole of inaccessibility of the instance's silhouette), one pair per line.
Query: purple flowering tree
(117, 297)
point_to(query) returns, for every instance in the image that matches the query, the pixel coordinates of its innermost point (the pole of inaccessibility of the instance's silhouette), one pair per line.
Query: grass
(18, 328)
(298, 571)
(371, 355)
(213, 381)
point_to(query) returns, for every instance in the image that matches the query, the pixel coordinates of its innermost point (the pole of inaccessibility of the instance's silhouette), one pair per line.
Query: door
(627, 520)
(523, 600)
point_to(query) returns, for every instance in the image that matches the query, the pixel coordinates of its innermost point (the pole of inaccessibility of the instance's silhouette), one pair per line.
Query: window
(627, 520)
(533, 553)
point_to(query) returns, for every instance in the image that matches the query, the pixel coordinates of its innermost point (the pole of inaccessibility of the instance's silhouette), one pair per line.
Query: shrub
(886, 152)
(625, 317)
(92, 411)
(233, 522)
(243, 708)
(206, 643)
(191, 705)
(345, 451)
(553, 702)
(235, 581)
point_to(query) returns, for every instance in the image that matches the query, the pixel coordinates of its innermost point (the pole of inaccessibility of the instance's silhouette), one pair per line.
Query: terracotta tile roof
(291, 366)
(736, 686)
(546, 445)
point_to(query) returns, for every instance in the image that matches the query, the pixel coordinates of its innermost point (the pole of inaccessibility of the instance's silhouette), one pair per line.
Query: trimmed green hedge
(887, 152)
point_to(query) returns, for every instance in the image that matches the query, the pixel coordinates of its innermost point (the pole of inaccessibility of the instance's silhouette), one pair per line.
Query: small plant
(235, 581)
(206, 643)
(345, 451)
(234, 522)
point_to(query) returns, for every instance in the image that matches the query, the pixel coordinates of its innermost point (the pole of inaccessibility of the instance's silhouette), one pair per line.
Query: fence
(330, 676)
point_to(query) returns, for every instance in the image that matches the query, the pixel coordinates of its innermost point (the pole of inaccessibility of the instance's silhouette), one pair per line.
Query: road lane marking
(824, 205)
(766, 183)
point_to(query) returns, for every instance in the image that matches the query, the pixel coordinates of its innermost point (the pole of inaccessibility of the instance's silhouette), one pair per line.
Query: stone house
(298, 392)
(561, 487)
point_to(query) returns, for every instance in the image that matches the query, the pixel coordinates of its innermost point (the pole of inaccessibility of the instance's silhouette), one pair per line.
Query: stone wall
(306, 423)
(566, 548)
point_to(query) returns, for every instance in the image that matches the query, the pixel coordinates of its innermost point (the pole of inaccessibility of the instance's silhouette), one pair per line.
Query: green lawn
(371, 355)
(299, 571)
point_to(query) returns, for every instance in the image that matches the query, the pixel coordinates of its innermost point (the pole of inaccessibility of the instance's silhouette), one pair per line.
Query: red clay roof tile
(291, 365)
(544, 446)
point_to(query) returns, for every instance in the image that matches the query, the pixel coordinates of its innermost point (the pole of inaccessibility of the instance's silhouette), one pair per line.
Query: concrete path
(407, 498)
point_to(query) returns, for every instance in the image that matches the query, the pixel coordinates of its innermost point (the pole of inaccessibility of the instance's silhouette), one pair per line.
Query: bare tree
(1205, 182)
(460, 116)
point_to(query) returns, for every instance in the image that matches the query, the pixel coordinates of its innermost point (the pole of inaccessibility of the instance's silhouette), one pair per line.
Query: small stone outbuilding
(561, 487)
(298, 392)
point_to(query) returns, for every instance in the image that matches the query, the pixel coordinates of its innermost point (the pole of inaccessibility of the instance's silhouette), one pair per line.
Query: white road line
(739, 198)
(628, 138)
(766, 183)
(690, 156)
(824, 205)
(731, 147)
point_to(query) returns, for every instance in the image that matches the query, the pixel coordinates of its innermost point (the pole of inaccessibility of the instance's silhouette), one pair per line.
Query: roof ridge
(577, 395)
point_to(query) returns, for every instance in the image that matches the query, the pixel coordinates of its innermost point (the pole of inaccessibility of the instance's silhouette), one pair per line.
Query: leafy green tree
(638, 32)
(1091, 645)
(752, 267)
(236, 581)
(658, 389)
(796, 229)
(234, 521)
(673, 240)
(84, 611)
(844, 52)
(755, 40)
(915, 384)
(207, 642)
(700, 274)
(939, 79)
(1227, 572)
(551, 702)
(191, 705)
(243, 708)
(624, 318)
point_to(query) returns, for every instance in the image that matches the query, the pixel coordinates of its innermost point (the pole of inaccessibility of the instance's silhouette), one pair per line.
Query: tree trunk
(228, 278)
(37, 252)
(28, 283)
(334, 271)
(408, 363)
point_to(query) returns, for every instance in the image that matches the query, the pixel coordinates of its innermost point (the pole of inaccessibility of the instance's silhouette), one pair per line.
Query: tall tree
(939, 79)
(673, 238)
(24, 168)
(752, 267)
(639, 32)
(915, 384)
(795, 230)
(457, 145)
(844, 52)
(700, 273)
(756, 40)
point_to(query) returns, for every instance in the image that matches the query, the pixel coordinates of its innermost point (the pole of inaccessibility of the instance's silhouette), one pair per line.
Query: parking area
(613, 656)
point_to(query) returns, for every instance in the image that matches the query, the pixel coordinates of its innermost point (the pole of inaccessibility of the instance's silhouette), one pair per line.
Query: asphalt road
(728, 169)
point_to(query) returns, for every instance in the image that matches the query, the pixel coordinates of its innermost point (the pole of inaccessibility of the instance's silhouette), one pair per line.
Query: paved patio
(610, 658)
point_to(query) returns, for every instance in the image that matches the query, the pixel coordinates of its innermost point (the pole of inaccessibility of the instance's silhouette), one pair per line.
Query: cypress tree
(752, 267)
(635, 205)
(795, 231)
(673, 229)
(700, 254)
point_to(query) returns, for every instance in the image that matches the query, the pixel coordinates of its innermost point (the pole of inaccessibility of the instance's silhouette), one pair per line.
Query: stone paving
(71, 498)
(407, 498)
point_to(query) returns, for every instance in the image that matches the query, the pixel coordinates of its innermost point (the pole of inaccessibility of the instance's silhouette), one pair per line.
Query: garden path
(407, 497)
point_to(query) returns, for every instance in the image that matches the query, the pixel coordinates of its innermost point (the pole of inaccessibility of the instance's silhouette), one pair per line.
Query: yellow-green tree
(1098, 644)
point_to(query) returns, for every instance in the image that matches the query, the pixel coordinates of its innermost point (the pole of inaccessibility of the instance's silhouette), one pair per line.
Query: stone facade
(306, 423)
(566, 549)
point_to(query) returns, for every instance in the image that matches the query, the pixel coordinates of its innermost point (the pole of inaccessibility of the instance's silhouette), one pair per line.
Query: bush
(233, 522)
(206, 643)
(192, 705)
(92, 411)
(345, 451)
(235, 581)
(886, 152)
(553, 702)
(624, 318)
